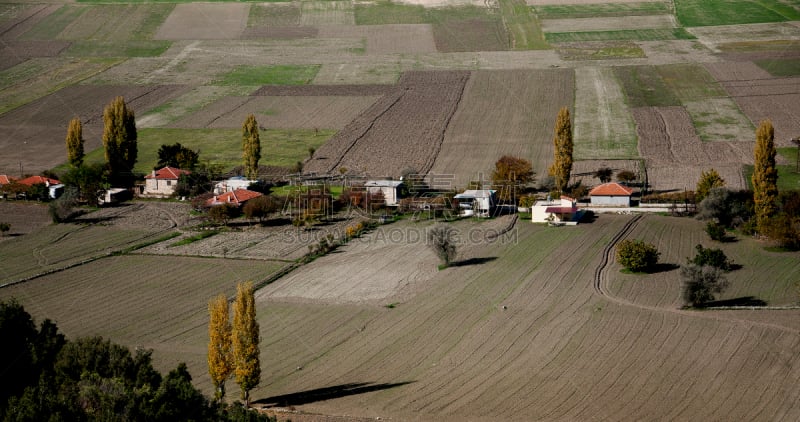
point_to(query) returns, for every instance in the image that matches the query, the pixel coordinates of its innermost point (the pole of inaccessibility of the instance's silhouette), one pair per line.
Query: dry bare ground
(676, 51)
(392, 135)
(525, 341)
(15, 52)
(607, 24)
(583, 170)
(761, 96)
(24, 217)
(205, 21)
(386, 39)
(309, 112)
(503, 113)
(675, 155)
(34, 134)
(18, 18)
(603, 127)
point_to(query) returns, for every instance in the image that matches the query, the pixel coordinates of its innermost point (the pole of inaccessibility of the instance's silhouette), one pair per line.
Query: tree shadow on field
(326, 393)
(739, 301)
(662, 268)
(473, 261)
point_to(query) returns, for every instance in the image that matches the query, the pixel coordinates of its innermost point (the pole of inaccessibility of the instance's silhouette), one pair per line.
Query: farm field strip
(387, 39)
(204, 21)
(515, 108)
(187, 104)
(595, 3)
(385, 129)
(19, 18)
(131, 300)
(608, 23)
(715, 37)
(620, 35)
(313, 13)
(603, 127)
(572, 9)
(730, 12)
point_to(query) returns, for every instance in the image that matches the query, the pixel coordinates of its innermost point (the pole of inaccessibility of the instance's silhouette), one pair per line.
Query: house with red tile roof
(563, 212)
(5, 179)
(161, 183)
(54, 186)
(236, 198)
(611, 194)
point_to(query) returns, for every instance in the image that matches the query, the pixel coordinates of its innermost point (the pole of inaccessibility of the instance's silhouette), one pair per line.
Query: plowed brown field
(676, 156)
(402, 130)
(504, 113)
(34, 134)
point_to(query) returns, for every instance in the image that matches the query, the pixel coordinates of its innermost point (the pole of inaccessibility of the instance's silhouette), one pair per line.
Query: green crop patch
(224, 146)
(605, 51)
(733, 12)
(780, 67)
(270, 75)
(690, 82)
(601, 10)
(644, 87)
(621, 35)
(523, 26)
(386, 12)
(117, 49)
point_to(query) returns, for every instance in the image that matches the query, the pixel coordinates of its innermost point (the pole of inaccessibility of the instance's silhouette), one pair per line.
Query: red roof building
(4, 179)
(611, 194)
(161, 183)
(33, 180)
(235, 197)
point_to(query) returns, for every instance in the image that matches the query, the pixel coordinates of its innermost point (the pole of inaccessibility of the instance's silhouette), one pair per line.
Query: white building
(477, 202)
(563, 211)
(389, 188)
(232, 184)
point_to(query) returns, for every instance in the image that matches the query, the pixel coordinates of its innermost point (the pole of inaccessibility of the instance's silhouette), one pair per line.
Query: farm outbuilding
(563, 211)
(162, 183)
(477, 202)
(611, 194)
(389, 188)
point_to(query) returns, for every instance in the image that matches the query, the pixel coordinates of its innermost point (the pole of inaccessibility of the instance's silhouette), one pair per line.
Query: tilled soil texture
(386, 39)
(22, 18)
(23, 217)
(504, 112)
(13, 53)
(205, 21)
(675, 156)
(32, 136)
(404, 129)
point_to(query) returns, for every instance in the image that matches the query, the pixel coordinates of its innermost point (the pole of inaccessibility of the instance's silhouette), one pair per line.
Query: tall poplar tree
(119, 138)
(220, 354)
(246, 340)
(765, 174)
(251, 147)
(562, 153)
(75, 142)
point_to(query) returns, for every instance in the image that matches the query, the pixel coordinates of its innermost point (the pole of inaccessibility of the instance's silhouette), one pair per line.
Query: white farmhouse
(232, 184)
(563, 211)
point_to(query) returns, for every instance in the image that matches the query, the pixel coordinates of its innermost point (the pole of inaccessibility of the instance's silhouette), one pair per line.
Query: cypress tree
(220, 356)
(251, 147)
(119, 137)
(562, 153)
(75, 142)
(246, 340)
(765, 175)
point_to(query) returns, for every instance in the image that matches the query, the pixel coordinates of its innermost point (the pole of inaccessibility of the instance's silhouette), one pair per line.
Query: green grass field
(644, 87)
(780, 67)
(270, 75)
(690, 82)
(621, 35)
(223, 146)
(526, 33)
(601, 10)
(134, 48)
(730, 12)
(788, 177)
(102, 22)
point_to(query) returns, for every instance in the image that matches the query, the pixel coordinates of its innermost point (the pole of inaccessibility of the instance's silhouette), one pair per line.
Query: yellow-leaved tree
(220, 354)
(765, 175)
(562, 150)
(251, 147)
(74, 142)
(708, 180)
(245, 340)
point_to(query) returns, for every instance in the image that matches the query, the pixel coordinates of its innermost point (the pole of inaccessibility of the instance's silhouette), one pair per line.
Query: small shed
(563, 211)
(611, 194)
(477, 202)
(162, 183)
(389, 188)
